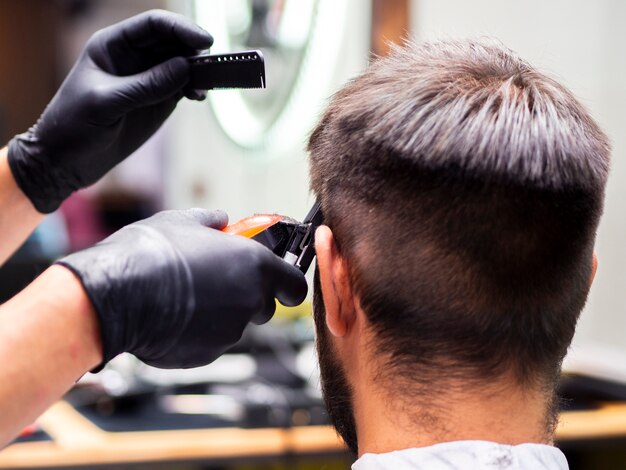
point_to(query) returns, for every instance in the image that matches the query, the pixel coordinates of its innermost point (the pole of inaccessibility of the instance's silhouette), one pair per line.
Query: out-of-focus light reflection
(295, 25)
(221, 406)
(238, 16)
(299, 39)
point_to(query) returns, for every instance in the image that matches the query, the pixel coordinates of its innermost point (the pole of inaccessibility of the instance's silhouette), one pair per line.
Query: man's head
(462, 189)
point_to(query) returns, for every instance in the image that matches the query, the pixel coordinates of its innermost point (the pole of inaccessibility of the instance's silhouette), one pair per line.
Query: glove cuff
(34, 175)
(141, 289)
(110, 348)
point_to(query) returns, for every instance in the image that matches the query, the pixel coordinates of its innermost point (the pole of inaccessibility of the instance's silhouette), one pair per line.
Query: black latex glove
(126, 82)
(177, 292)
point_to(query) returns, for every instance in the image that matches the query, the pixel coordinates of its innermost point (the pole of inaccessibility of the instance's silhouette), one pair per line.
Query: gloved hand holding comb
(125, 84)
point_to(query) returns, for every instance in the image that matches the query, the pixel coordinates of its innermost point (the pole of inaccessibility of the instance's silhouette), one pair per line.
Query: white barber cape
(467, 455)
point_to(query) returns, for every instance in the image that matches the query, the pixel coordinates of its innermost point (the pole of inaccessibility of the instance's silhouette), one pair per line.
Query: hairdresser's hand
(126, 82)
(177, 292)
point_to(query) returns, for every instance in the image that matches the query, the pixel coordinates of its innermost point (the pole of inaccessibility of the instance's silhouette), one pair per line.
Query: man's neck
(390, 419)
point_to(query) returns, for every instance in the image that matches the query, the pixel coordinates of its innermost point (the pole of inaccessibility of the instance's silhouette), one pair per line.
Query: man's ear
(334, 282)
(594, 268)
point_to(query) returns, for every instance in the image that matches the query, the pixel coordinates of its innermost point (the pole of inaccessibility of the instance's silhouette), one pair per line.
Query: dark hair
(464, 189)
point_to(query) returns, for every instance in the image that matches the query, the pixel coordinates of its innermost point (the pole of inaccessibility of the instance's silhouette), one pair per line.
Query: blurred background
(243, 151)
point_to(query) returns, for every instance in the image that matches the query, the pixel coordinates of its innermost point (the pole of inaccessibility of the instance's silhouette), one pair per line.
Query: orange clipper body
(251, 226)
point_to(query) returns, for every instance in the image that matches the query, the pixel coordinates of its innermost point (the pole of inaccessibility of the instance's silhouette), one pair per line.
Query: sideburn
(336, 390)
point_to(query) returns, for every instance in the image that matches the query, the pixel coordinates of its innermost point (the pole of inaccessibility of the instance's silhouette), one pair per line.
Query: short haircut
(464, 189)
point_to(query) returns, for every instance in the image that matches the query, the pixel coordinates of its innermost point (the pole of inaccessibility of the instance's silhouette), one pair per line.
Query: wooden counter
(76, 441)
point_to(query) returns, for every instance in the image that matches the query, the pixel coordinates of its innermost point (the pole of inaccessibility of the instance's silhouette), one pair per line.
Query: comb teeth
(238, 70)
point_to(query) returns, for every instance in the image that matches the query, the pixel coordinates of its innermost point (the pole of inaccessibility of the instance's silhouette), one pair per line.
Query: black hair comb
(238, 70)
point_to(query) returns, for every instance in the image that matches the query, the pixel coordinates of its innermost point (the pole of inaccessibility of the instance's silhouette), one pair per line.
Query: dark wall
(28, 39)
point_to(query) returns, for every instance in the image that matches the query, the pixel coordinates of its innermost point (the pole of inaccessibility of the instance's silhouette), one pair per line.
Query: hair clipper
(291, 240)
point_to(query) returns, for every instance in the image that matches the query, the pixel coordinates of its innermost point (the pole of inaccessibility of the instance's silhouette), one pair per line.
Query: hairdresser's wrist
(49, 338)
(18, 216)
(63, 298)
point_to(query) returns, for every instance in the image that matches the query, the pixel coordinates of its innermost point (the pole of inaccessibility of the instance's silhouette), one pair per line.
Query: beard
(336, 390)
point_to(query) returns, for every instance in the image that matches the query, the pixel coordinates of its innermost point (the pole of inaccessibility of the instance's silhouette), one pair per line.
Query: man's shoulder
(468, 455)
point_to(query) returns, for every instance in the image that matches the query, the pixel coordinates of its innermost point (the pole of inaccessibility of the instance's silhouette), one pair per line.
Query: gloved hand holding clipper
(177, 292)
(127, 81)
